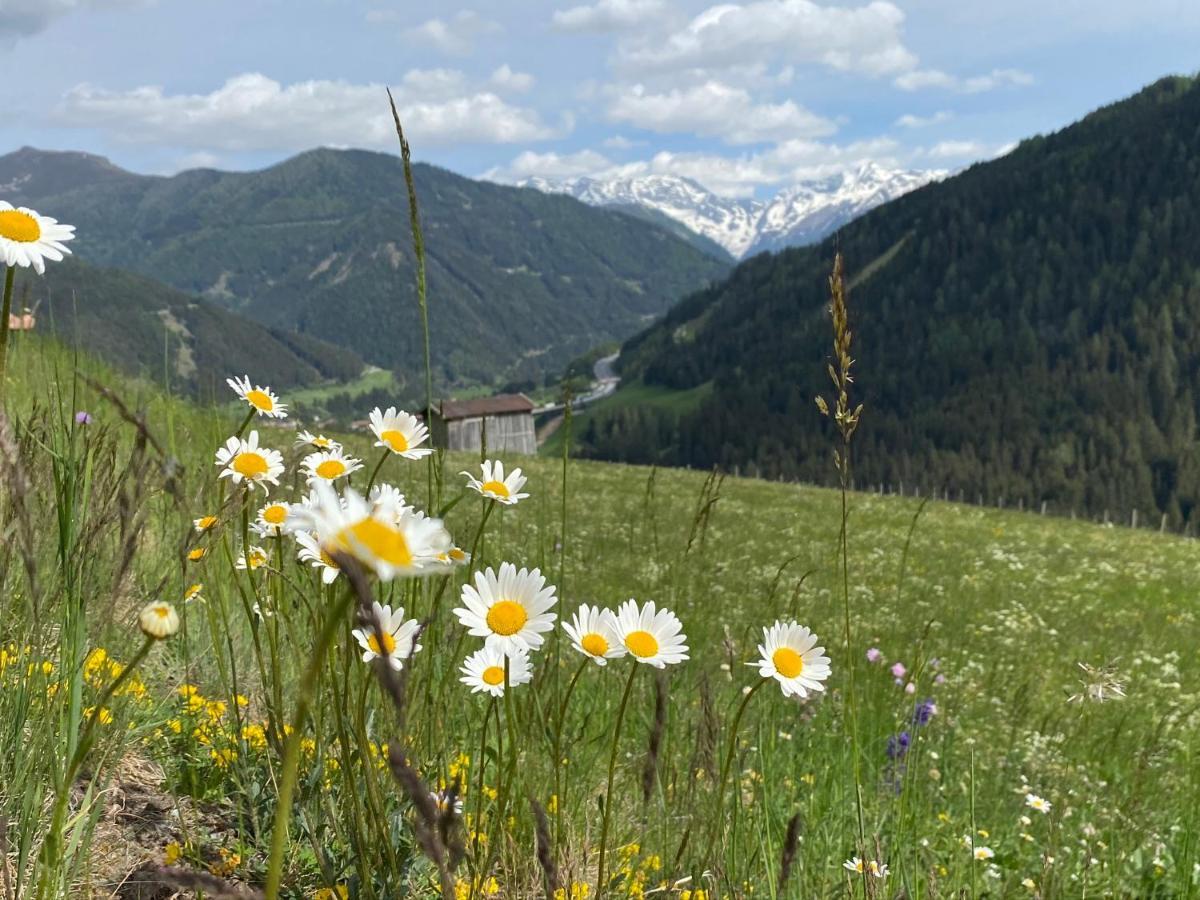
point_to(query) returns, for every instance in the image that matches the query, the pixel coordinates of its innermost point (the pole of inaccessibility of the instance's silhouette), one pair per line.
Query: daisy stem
(479, 534)
(612, 767)
(245, 422)
(10, 271)
(559, 775)
(375, 471)
(291, 750)
(725, 766)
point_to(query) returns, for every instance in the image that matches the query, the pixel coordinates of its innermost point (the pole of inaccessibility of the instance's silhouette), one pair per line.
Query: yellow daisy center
(378, 540)
(641, 644)
(322, 442)
(19, 226)
(196, 554)
(457, 555)
(499, 488)
(328, 560)
(207, 522)
(257, 559)
(260, 400)
(275, 515)
(394, 439)
(331, 468)
(493, 675)
(595, 644)
(389, 643)
(507, 617)
(162, 612)
(192, 592)
(250, 464)
(788, 662)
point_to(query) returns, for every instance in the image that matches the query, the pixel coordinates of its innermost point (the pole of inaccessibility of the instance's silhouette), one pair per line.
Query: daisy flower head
(194, 592)
(319, 441)
(255, 559)
(1041, 804)
(495, 485)
(205, 523)
(789, 654)
(398, 636)
(311, 552)
(483, 670)
(653, 636)
(246, 462)
(272, 518)
(408, 544)
(158, 620)
(441, 800)
(454, 557)
(400, 432)
(28, 238)
(388, 498)
(982, 853)
(593, 633)
(329, 465)
(509, 610)
(259, 398)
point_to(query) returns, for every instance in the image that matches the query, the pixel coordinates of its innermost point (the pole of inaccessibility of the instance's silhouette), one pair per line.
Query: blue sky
(746, 97)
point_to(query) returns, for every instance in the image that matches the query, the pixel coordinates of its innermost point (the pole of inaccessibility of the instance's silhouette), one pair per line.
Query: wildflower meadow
(243, 657)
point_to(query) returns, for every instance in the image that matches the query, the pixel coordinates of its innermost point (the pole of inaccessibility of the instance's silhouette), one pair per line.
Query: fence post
(1133, 519)
(1162, 526)
(1043, 507)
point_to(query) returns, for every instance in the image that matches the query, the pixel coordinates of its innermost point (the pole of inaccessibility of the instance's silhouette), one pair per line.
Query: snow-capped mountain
(802, 214)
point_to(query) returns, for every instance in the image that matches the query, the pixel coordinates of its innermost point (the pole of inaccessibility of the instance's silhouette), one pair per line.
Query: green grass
(372, 379)
(991, 612)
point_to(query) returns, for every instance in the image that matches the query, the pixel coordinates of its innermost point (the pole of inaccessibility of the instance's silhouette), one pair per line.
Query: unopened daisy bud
(158, 620)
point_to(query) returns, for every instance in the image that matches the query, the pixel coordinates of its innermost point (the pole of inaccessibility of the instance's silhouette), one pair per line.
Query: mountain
(799, 215)
(1028, 330)
(147, 328)
(519, 282)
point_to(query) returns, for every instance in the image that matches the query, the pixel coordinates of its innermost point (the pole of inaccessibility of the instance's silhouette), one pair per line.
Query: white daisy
(508, 610)
(311, 552)
(158, 620)
(858, 866)
(983, 853)
(789, 655)
(329, 465)
(28, 238)
(272, 518)
(398, 636)
(593, 632)
(205, 523)
(483, 670)
(400, 432)
(441, 799)
(654, 636)
(261, 399)
(245, 461)
(495, 485)
(405, 545)
(454, 557)
(1041, 804)
(257, 558)
(307, 438)
(388, 497)
(193, 593)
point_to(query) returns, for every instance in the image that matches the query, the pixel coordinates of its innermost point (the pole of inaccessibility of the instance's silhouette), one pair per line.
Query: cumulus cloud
(716, 109)
(21, 18)
(254, 112)
(731, 176)
(960, 149)
(863, 39)
(505, 79)
(607, 15)
(935, 78)
(911, 121)
(455, 36)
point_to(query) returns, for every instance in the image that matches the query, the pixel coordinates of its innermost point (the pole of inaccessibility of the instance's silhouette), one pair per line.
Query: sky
(745, 97)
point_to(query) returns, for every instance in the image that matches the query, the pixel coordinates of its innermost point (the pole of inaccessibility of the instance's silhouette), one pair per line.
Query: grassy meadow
(959, 741)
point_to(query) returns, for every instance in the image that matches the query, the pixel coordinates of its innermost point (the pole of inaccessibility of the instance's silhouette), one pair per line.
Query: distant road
(604, 381)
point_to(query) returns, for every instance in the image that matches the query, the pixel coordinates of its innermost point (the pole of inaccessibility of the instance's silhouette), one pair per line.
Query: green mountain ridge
(519, 282)
(1028, 329)
(144, 327)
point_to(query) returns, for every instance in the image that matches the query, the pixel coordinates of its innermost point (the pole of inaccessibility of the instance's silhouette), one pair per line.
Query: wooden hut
(506, 418)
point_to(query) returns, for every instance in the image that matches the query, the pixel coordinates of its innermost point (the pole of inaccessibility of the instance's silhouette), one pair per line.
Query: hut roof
(501, 404)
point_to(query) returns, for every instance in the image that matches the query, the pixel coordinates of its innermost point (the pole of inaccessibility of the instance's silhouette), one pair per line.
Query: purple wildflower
(925, 710)
(874, 655)
(83, 417)
(897, 745)
(898, 670)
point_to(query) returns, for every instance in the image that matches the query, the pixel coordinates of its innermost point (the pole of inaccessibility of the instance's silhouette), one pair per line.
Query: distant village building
(507, 419)
(23, 322)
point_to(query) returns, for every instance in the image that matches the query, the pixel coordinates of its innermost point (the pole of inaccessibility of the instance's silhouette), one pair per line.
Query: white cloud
(254, 112)
(911, 121)
(864, 39)
(454, 36)
(201, 159)
(731, 176)
(977, 84)
(607, 15)
(958, 150)
(716, 109)
(505, 79)
(620, 142)
(21, 18)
